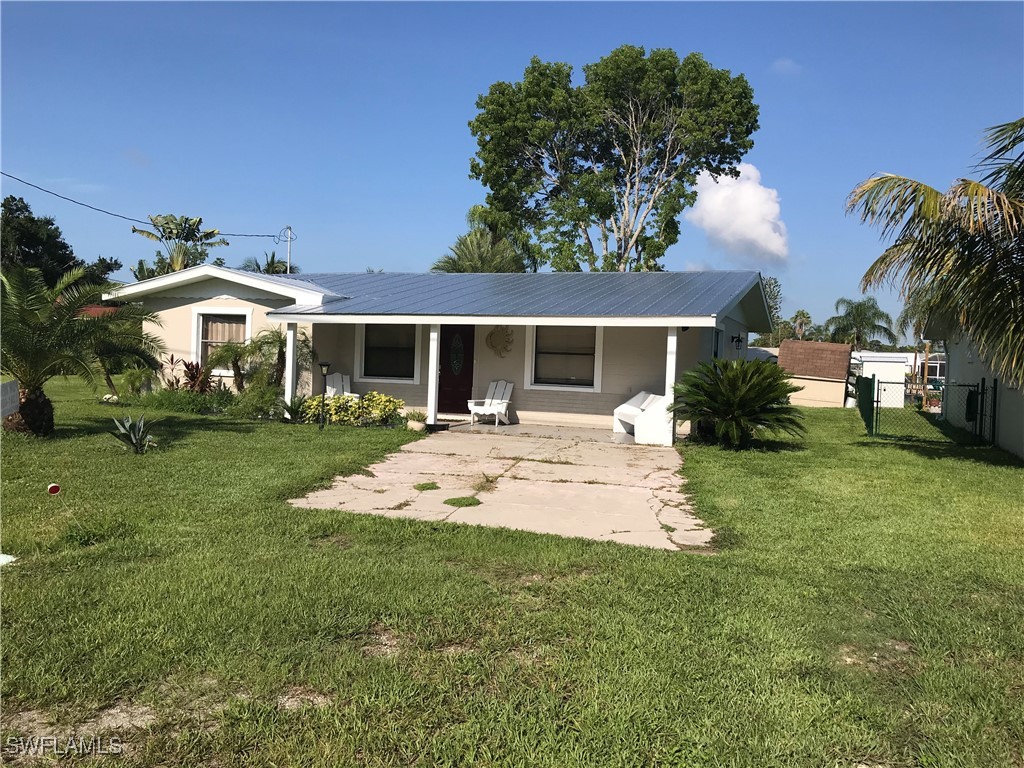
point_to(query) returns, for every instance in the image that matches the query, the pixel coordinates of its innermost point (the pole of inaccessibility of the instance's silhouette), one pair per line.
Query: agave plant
(134, 434)
(733, 401)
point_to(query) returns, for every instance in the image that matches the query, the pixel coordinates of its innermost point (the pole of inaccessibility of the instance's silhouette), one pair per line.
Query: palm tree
(477, 251)
(184, 241)
(858, 322)
(801, 321)
(919, 305)
(48, 332)
(270, 265)
(965, 244)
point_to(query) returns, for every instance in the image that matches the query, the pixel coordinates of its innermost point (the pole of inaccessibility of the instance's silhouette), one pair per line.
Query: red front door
(455, 383)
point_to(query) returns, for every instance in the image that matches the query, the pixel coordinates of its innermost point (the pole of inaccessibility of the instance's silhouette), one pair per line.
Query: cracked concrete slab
(568, 486)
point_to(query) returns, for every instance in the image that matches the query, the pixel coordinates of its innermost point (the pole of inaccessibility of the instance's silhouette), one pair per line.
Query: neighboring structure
(890, 370)
(1002, 407)
(575, 345)
(936, 363)
(820, 368)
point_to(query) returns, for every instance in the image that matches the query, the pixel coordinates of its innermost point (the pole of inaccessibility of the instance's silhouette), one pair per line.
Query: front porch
(565, 375)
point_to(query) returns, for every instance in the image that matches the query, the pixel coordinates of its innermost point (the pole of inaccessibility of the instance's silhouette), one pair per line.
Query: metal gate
(964, 413)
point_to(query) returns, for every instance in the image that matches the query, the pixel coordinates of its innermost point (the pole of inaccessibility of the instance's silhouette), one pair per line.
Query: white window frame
(358, 374)
(531, 347)
(197, 330)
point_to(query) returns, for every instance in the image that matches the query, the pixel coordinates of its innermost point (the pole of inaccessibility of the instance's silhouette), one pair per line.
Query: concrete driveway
(568, 482)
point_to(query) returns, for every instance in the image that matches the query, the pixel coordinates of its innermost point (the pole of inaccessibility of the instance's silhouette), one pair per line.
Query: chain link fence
(941, 412)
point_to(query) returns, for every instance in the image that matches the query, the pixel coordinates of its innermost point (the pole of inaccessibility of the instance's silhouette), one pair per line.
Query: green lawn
(866, 607)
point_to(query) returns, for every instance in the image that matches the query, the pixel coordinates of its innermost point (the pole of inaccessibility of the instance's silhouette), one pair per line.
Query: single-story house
(1003, 414)
(820, 368)
(574, 345)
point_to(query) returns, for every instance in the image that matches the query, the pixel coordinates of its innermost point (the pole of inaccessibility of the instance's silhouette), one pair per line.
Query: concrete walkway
(569, 483)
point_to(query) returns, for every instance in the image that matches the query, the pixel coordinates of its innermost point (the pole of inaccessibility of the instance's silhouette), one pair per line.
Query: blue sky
(348, 121)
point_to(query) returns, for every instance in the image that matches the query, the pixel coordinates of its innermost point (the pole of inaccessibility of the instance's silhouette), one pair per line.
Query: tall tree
(964, 244)
(271, 265)
(49, 332)
(36, 241)
(477, 251)
(184, 241)
(615, 159)
(860, 322)
(801, 321)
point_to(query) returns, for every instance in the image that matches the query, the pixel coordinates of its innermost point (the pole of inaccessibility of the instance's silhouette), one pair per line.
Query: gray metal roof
(545, 294)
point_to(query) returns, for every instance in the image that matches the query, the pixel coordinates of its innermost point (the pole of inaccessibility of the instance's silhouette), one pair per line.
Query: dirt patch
(120, 716)
(893, 656)
(299, 696)
(339, 540)
(30, 722)
(381, 641)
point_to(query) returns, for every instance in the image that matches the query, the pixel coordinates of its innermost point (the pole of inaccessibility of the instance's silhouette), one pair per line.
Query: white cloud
(741, 216)
(785, 66)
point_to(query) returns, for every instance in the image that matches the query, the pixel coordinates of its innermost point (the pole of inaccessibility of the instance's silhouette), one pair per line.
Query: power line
(277, 238)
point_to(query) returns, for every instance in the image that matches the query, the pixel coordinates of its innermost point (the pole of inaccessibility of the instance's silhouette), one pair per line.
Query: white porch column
(670, 360)
(433, 364)
(290, 362)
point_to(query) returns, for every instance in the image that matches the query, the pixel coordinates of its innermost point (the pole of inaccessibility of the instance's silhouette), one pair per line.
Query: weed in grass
(463, 501)
(431, 486)
(486, 483)
(668, 528)
(401, 505)
(92, 531)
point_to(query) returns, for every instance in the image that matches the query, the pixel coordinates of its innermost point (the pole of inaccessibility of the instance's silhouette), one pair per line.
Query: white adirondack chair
(340, 384)
(499, 394)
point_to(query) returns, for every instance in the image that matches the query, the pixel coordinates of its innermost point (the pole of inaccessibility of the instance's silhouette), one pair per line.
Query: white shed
(890, 374)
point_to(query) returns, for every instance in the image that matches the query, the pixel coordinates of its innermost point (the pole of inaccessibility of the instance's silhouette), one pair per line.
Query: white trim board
(531, 346)
(357, 360)
(298, 293)
(197, 329)
(697, 321)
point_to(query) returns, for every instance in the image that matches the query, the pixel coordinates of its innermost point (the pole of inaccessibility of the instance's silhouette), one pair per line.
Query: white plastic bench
(646, 417)
(340, 384)
(499, 395)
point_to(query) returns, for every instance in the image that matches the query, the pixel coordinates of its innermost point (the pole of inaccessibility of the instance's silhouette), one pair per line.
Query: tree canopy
(614, 160)
(962, 248)
(37, 242)
(271, 265)
(860, 322)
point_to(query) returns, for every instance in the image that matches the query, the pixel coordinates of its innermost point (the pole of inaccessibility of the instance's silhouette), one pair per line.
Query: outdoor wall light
(737, 341)
(324, 368)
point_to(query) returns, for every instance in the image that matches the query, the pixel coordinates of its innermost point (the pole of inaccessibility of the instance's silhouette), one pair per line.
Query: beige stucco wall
(177, 313)
(818, 393)
(633, 359)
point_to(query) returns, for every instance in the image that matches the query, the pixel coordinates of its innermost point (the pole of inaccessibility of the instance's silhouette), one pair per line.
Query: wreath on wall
(499, 340)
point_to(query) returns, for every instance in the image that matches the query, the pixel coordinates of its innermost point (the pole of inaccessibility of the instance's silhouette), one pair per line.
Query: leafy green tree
(477, 251)
(860, 322)
(50, 332)
(271, 265)
(733, 401)
(184, 241)
(36, 241)
(615, 159)
(964, 244)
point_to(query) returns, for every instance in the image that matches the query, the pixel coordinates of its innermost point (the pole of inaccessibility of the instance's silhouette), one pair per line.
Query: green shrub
(416, 416)
(295, 409)
(260, 400)
(372, 409)
(732, 401)
(186, 401)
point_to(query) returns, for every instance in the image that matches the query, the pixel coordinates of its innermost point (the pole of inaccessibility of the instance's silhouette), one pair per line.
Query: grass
(431, 486)
(463, 501)
(865, 607)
